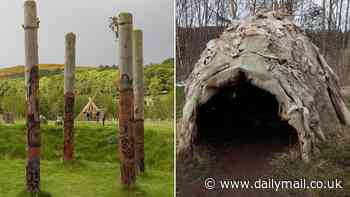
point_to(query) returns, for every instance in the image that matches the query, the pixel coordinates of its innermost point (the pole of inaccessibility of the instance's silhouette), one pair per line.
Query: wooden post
(31, 25)
(69, 71)
(138, 101)
(126, 97)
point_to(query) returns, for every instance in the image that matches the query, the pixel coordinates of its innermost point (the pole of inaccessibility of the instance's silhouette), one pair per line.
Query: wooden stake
(139, 99)
(126, 97)
(31, 25)
(69, 71)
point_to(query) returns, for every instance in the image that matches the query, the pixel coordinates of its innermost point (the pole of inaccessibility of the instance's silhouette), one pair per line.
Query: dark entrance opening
(242, 126)
(239, 131)
(245, 113)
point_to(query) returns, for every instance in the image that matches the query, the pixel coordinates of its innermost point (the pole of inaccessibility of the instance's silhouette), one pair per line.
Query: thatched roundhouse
(91, 112)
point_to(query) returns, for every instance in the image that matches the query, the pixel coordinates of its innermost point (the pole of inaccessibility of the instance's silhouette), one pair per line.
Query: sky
(89, 19)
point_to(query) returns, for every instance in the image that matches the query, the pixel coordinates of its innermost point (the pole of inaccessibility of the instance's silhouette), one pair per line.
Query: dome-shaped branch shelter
(266, 69)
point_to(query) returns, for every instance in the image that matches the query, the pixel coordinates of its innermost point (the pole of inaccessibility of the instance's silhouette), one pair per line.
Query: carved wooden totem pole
(31, 25)
(139, 99)
(126, 100)
(69, 71)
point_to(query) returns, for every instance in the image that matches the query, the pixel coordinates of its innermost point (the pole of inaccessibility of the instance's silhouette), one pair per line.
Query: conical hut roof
(275, 55)
(89, 107)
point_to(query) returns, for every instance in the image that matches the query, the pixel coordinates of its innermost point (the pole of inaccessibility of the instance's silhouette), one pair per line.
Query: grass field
(95, 172)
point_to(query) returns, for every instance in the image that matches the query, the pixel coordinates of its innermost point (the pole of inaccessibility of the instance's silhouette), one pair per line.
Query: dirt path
(239, 160)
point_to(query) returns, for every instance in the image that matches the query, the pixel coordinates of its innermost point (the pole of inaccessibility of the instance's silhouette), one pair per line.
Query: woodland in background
(98, 83)
(326, 22)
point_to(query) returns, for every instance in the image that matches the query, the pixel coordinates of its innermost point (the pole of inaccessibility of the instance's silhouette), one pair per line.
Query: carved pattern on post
(31, 24)
(139, 99)
(33, 173)
(139, 145)
(69, 70)
(68, 126)
(126, 100)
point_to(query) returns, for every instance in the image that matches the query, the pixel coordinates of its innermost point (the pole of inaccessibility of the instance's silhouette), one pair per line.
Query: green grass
(347, 102)
(96, 169)
(332, 162)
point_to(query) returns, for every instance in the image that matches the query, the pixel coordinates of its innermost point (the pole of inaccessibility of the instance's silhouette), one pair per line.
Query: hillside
(100, 83)
(17, 71)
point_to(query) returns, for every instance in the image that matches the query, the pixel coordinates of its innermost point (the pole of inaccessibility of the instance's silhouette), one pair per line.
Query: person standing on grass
(103, 119)
(98, 116)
